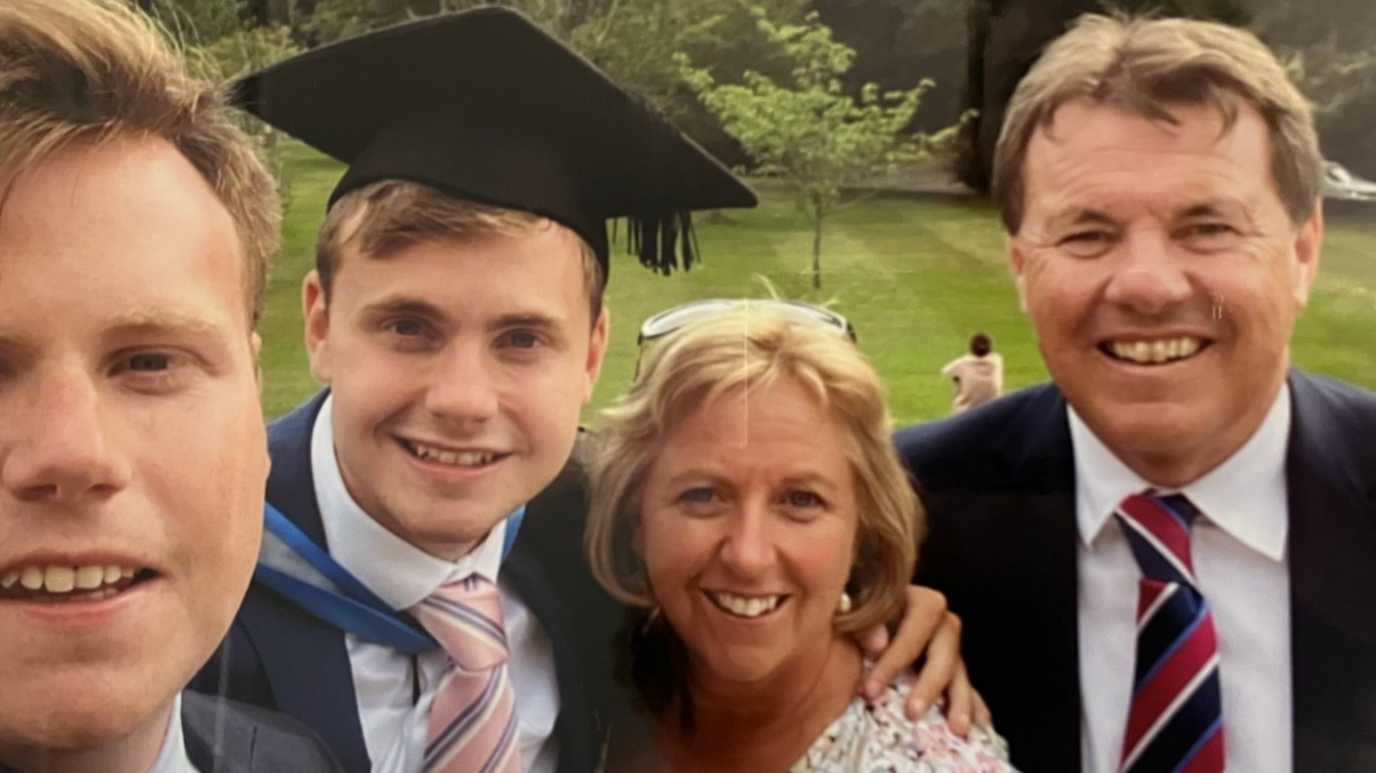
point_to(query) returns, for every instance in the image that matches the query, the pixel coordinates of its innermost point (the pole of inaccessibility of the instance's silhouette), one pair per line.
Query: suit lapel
(1332, 539)
(547, 568)
(212, 744)
(1041, 551)
(291, 486)
(306, 662)
(574, 725)
(1003, 549)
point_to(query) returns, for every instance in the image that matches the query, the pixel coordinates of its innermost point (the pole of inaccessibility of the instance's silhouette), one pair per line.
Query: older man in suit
(136, 224)
(1165, 559)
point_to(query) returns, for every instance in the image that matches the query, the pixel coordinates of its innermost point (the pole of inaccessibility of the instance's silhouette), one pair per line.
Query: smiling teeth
(745, 606)
(65, 579)
(1151, 352)
(453, 458)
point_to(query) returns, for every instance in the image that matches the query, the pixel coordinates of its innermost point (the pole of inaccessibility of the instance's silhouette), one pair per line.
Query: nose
(57, 446)
(1150, 277)
(747, 548)
(463, 386)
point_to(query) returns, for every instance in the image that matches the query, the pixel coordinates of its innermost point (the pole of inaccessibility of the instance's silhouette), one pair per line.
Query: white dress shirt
(1238, 547)
(172, 757)
(394, 724)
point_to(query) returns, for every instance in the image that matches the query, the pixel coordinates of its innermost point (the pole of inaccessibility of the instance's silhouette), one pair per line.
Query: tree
(333, 20)
(1005, 38)
(197, 22)
(1340, 81)
(629, 40)
(237, 54)
(220, 42)
(811, 134)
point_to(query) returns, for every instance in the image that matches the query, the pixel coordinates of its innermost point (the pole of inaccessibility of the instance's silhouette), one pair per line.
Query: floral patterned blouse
(879, 739)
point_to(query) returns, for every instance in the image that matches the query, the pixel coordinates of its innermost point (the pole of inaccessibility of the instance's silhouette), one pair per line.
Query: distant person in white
(977, 376)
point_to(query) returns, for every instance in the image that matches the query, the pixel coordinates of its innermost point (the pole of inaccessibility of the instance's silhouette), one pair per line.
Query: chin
(74, 720)
(1147, 424)
(739, 667)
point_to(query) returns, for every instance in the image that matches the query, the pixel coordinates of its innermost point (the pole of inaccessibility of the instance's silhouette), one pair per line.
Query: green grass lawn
(916, 275)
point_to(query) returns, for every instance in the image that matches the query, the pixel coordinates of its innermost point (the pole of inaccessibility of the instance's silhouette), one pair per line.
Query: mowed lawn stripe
(916, 274)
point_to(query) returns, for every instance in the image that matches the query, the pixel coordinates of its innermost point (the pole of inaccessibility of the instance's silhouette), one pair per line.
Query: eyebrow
(1082, 217)
(133, 323)
(163, 320)
(816, 479)
(401, 304)
(398, 304)
(139, 323)
(528, 319)
(1212, 208)
(710, 470)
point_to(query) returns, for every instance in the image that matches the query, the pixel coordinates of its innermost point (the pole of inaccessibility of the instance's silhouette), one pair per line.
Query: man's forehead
(388, 288)
(1094, 125)
(1087, 161)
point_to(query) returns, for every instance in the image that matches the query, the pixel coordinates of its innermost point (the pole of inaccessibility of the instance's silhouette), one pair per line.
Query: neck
(769, 724)
(1179, 468)
(133, 753)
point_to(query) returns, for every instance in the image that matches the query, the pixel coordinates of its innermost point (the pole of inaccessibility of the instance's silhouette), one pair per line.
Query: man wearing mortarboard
(419, 602)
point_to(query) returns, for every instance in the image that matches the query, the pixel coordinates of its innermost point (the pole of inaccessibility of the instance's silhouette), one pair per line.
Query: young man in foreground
(135, 228)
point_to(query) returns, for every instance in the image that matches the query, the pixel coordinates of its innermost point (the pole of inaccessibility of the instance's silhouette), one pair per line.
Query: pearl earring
(845, 604)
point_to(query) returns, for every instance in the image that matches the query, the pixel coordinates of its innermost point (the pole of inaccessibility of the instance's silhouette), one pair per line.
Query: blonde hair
(752, 348)
(1144, 66)
(390, 215)
(81, 73)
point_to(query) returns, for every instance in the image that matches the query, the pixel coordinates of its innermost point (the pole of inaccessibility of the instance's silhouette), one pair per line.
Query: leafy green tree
(810, 133)
(1339, 79)
(1334, 78)
(333, 20)
(197, 22)
(239, 53)
(632, 40)
(219, 44)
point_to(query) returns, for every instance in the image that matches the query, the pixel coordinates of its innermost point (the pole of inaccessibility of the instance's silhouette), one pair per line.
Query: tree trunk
(817, 216)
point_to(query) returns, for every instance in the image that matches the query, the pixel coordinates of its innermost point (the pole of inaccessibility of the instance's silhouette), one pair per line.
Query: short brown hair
(390, 215)
(1144, 66)
(87, 72)
(751, 348)
(981, 343)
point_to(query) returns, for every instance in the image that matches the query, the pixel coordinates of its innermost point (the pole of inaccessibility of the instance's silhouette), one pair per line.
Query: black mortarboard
(483, 105)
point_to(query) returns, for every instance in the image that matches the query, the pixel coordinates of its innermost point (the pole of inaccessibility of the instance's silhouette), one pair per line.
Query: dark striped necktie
(1175, 724)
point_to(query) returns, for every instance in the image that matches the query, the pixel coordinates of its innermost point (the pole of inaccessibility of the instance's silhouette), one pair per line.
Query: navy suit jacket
(224, 737)
(999, 487)
(277, 656)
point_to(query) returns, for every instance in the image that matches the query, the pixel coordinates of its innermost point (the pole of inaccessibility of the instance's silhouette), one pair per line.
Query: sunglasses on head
(669, 320)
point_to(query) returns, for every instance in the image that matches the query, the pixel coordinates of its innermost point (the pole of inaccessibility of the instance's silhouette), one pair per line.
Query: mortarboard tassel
(663, 243)
(660, 238)
(689, 240)
(668, 241)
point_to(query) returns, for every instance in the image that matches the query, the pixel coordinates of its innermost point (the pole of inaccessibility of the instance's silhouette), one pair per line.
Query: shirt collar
(172, 758)
(1245, 495)
(400, 573)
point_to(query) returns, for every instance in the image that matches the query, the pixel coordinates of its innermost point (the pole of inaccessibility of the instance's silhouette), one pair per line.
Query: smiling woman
(747, 497)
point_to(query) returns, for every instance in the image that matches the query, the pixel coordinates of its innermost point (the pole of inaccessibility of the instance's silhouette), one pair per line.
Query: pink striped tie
(472, 723)
(1176, 721)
